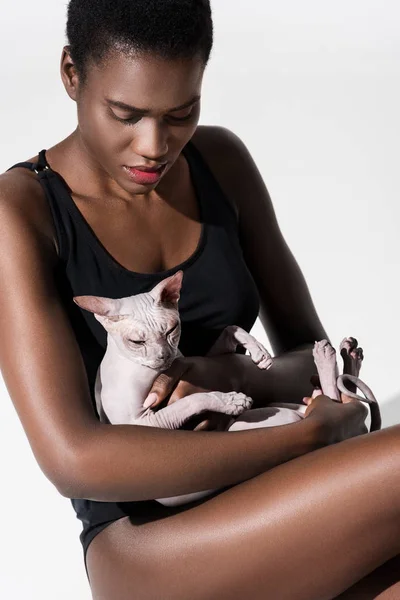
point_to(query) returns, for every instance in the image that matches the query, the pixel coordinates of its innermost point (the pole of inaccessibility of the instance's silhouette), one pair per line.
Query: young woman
(135, 193)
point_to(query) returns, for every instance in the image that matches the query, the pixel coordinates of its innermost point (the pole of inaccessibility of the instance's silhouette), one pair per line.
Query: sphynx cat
(143, 335)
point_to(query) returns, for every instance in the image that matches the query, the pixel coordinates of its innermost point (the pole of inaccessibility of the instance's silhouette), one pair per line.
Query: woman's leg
(306, 530)
(381, 584)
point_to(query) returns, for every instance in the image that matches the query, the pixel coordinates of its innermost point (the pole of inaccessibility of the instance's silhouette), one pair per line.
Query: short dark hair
(167, 28)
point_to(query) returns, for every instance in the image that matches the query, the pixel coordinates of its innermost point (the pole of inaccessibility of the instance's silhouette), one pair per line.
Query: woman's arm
(286, 308)
(45, 376)
(288, 380)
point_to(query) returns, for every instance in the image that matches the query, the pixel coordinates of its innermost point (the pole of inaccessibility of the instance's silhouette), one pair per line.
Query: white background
(312, 88)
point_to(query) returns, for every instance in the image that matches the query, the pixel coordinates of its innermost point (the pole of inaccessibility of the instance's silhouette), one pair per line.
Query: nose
(151, 140)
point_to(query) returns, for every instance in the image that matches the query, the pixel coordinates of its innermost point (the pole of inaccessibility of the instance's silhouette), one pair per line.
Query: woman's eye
(182, 115)
(130, 121)
(178, 117)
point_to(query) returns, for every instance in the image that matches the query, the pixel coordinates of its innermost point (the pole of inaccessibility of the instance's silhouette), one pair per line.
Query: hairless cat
(143, 335)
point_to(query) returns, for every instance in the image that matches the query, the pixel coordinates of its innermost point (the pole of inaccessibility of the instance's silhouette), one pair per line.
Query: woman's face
(137, 112)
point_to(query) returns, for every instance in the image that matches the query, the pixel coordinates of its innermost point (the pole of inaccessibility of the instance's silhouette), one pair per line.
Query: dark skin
(285, 492)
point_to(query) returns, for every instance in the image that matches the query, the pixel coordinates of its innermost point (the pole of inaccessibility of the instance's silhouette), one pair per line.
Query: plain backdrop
(313, 90)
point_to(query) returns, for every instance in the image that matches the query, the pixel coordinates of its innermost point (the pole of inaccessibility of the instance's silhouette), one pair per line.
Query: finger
(183, 389)
(222, 422)
(165, 383)
(315, 382)
(317, 392)
(211, 421)
(216, 422)
(202, 426)
(345, 399)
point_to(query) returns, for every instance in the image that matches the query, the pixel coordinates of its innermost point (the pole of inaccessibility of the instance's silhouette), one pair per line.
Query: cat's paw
(232, 403)
(352, 356)
(258, 353)
(265, 362)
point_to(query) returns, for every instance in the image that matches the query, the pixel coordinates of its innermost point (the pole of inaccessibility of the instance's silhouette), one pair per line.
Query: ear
(105, 307)
(168, 290)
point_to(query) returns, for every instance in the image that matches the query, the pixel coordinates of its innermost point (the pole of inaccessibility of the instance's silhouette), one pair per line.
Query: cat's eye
(173, 329)
(139, 342)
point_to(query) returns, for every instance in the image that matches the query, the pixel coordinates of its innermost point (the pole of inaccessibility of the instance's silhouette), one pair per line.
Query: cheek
(98, 130)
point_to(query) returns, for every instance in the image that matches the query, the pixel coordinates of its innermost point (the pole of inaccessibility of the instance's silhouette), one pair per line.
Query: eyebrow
(143, 111)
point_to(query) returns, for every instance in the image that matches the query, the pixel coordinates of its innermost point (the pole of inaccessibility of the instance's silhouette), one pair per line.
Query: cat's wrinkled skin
(143, 337)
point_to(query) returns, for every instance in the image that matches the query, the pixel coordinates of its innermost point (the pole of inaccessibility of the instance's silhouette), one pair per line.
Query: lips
(147, 169)
(145, 175)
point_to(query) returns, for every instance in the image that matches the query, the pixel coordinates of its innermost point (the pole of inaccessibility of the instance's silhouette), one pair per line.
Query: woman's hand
(183, 378)
(339, 421)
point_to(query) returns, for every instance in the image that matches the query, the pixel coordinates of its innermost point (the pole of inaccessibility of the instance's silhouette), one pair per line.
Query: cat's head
(145, 327)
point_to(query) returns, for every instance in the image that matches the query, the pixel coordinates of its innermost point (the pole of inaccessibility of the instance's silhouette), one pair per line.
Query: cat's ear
(168, 290)
(103, 307)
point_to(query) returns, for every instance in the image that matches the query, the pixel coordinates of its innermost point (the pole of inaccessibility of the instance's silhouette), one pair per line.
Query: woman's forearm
(125, 463)
(118, 463)
(288, 380)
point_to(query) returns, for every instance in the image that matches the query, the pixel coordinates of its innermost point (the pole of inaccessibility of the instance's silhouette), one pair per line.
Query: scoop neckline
(97, 245)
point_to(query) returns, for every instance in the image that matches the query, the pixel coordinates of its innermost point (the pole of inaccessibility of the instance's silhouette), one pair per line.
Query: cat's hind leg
(325, 360)
(232, 336)
(352, 357)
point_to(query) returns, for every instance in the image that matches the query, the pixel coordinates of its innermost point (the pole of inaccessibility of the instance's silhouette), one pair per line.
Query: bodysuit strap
(51, 187)
(37, 167)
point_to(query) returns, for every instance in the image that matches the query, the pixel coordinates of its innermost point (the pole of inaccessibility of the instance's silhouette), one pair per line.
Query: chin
(164, 366)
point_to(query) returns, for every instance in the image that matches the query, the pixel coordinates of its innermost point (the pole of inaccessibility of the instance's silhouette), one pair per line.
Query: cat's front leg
(176, 414)
(230, 339)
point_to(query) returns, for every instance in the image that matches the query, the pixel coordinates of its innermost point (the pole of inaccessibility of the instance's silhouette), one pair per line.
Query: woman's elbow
(67, 477)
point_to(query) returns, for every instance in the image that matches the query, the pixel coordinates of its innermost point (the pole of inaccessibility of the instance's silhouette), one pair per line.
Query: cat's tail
(376, 420)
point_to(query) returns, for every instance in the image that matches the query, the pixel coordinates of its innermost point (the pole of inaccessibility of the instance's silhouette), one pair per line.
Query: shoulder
(227, 156)
(213, 139)
(22, 195)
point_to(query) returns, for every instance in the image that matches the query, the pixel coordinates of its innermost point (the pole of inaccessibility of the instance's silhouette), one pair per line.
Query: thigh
(381, 584)
(305, 530)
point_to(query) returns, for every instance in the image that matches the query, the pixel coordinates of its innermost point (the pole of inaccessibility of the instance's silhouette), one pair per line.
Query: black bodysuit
(217, 290)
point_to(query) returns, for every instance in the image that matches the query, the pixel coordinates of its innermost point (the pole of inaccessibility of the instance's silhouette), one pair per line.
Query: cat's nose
(162, 355)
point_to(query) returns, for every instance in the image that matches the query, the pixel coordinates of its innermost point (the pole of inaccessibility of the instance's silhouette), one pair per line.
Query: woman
(135, 193)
